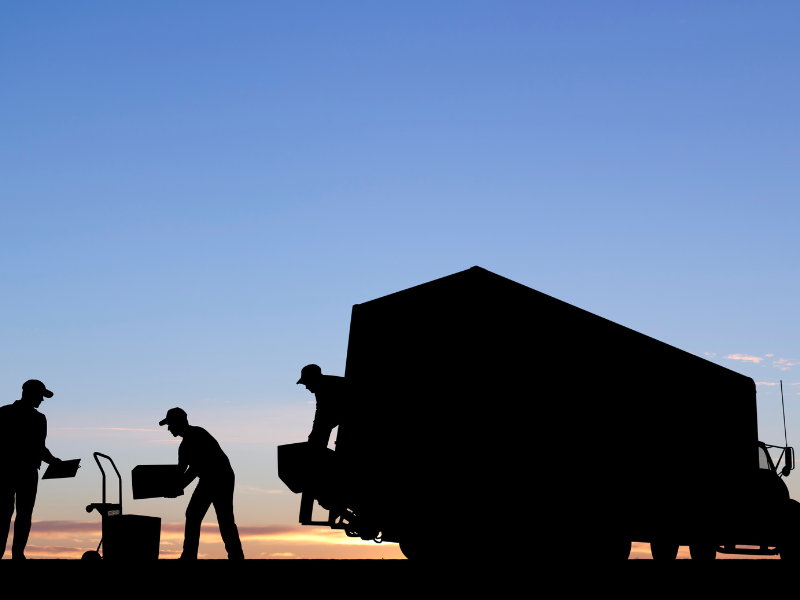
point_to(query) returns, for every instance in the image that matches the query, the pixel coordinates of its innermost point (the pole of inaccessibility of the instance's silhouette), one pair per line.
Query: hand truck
(123, 537)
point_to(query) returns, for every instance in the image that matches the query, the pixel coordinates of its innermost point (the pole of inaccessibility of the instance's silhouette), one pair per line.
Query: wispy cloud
(65, 529)
(33, 551)
(765, 383)
(281, 554)
(784, 364)
(745, 358)
(105, 429)
(175, 531)
(249, 489)
(296, 534)
(769, 355)
(710, 353)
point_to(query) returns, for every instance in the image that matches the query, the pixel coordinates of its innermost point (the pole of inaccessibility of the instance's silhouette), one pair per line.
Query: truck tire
(415, 549)
(703, 551)
(663, 551)
(790, 548)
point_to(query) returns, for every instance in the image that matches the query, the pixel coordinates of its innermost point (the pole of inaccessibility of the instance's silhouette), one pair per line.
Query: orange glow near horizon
(70, 539)
(641, 550)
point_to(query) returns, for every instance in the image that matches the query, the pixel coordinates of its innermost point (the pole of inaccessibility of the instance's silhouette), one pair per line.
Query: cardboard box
(155, 481)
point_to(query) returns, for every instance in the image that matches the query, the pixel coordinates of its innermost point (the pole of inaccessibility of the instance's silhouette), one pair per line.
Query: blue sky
(195, 194)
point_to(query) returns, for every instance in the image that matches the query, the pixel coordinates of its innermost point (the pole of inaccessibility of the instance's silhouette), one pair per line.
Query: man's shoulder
(7, 412)
(16, 407)
(198, 433)
(333, 382)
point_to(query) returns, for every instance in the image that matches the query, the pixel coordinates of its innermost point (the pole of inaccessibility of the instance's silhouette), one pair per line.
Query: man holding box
(200, 455)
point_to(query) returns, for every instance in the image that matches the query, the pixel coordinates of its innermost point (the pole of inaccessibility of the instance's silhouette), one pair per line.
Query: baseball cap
(174, 415)
(37, 387)
(309, 372)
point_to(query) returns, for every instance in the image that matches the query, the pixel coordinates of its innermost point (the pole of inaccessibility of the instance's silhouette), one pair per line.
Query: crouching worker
(200, 455)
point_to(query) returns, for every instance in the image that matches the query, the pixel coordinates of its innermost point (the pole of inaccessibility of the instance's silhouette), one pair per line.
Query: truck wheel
(414, 549)
(703, 551)
(662, 550)
(91, 556)
(790, 550)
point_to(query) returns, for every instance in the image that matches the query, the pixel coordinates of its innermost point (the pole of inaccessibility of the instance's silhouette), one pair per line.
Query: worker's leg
(6, 508)
(223, 505)
(27, 486)
(197, 509)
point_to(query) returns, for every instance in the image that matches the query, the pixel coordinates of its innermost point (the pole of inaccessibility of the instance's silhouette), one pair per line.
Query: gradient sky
(194, 194)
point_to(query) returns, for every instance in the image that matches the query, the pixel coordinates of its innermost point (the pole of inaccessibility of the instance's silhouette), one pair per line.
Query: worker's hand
(174, 493)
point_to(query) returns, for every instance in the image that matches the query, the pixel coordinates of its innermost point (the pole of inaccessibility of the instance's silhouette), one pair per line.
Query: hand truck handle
(96, 454)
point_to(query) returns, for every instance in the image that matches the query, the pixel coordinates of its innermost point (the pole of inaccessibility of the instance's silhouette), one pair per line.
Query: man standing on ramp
(200, 455)
(23, 431)
(331, 393)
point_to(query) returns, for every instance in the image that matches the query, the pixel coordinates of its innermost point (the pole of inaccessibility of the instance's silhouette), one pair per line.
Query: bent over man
(23, 431)
(200, 455)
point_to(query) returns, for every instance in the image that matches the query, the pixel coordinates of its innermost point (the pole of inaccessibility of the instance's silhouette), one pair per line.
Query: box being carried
(155, 481)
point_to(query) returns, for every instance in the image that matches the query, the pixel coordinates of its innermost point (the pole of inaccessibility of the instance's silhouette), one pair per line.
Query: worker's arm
(325, 420)
(48, 457)
(187, 477)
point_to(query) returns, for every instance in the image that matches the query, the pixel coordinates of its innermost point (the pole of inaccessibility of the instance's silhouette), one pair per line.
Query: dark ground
(369, 578)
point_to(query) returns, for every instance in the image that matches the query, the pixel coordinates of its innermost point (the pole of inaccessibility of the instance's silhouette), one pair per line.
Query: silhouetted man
(331, 392)
(23, 431)
(200, 455)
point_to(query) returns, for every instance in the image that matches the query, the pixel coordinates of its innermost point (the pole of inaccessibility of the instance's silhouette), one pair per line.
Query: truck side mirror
(788, 462)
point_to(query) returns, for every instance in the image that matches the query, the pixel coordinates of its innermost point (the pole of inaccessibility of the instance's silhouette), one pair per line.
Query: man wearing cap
(330, 392)
(200, 455)
(23, 431)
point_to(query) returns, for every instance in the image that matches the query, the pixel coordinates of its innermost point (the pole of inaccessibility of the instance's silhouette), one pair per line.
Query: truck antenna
(783, 407)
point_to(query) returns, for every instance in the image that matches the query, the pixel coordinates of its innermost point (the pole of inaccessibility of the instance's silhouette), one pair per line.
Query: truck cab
(761, 511)
(771, 488)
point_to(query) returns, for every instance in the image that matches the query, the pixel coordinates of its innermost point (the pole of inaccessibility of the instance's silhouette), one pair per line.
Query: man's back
(330, 392)
(200, 451)
(23, 431)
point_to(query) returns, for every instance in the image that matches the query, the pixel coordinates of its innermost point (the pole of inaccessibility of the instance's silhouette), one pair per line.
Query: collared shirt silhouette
(200, 455)
(331, 393)
(23, 431)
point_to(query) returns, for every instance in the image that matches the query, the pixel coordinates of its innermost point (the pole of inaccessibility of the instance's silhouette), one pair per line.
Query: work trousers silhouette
(216, 490)
(17, 487)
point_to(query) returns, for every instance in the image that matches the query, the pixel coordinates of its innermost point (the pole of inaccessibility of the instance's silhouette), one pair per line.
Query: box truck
(484, 416)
